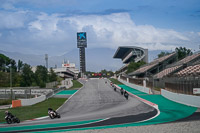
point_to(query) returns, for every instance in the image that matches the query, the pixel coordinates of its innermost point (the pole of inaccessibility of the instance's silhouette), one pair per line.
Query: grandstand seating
(154, 64)
(189, 71)
(187, 60)
(166, 72)
(170, 69)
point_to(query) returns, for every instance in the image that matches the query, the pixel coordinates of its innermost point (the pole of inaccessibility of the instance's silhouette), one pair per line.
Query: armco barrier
(27, 102)
(137, 87)
(182, 98)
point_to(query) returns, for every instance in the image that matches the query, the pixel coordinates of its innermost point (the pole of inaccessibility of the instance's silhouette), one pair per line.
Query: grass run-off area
(5, 101)
(115, 81)
(76, 85)
(33, 111)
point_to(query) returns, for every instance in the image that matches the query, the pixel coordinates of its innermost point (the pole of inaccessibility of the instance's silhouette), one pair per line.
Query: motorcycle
(126, 95)
(53, 114)
(122, 91)
(10, 120)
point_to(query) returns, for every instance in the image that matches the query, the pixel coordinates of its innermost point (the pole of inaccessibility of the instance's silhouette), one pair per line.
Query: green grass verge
(76, 85)
(115, 81)
(34, 111)
(5, 101)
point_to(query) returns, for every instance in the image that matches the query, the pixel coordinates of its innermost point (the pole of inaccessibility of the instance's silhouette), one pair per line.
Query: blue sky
(50, 26)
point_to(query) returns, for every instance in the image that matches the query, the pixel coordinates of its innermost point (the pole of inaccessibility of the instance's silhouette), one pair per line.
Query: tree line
(21, 75)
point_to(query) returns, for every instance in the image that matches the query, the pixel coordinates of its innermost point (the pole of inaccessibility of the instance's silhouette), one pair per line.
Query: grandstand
(154, 67)
(189, 71)
(165, 72)
(175, 67)
(130, 53)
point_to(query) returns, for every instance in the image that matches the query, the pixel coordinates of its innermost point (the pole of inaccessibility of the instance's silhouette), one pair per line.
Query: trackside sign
(196, 90)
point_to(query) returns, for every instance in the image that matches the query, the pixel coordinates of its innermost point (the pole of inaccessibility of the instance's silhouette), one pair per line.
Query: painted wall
(27, 102)
(137, 87)
(182, 98)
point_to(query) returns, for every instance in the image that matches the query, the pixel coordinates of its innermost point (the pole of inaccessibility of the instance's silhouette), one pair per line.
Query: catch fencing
(183, 85)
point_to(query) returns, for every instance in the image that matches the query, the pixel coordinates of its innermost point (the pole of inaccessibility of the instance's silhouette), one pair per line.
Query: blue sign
(81, 39)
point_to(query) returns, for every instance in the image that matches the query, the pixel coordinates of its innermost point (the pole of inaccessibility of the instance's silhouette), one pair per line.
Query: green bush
(5, 101)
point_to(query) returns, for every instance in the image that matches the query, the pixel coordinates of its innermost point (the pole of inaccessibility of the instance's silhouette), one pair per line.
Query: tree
(19, 65)
(13, 65)
(134, 66)
(183, 52)
(163, 54)
(26, 76)
(4, 62)
(41, 76)
(52, 76)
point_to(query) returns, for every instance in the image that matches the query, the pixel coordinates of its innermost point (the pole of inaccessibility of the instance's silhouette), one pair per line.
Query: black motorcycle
(53, 114)
(126, 95)
(10, 120)
(122, 91)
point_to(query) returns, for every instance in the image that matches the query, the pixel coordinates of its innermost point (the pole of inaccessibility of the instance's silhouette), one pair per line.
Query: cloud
(56, 33)
(118, 29)
(12, 20)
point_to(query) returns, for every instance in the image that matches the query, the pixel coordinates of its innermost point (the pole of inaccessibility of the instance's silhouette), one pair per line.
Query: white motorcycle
(52, 114)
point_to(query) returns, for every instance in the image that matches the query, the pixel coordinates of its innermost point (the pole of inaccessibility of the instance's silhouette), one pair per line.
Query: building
(130, 53)
(68, 70)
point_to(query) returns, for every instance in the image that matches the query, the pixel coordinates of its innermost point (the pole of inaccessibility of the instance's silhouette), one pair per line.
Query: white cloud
(56, 33)
(12, 20)
(198, 33)
(8, 6)
(105, 30)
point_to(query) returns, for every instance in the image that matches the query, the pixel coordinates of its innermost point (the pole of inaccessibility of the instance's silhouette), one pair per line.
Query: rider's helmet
(6, 112)
(50, 109)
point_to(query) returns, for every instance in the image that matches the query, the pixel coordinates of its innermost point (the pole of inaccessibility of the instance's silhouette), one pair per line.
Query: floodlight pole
(10, 76)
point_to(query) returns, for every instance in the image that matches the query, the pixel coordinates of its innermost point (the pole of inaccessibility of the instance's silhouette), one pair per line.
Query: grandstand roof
(122, 50)
(127, 53)
(153, 64)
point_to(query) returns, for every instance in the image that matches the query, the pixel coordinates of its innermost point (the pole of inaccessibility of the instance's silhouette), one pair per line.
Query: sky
(50, 26)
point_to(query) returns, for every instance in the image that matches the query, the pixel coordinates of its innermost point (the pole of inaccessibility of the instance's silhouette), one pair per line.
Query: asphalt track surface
(96, 100)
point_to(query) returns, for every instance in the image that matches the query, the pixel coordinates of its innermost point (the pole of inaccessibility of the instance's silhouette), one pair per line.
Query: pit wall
(137, 87)
(182, 98)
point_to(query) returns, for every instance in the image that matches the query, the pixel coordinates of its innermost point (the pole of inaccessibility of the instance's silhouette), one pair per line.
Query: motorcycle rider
(51, 110)
(122, 91)
(54, 113)
(126, 95)
(10, 115)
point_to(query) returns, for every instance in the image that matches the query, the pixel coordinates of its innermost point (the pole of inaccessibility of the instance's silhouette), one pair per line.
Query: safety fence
(183, 85)
(139, 81)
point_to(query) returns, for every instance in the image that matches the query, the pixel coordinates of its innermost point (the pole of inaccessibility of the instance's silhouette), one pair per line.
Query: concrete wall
(189, 100)
(27, 102)
(137, 87)
(66, 83)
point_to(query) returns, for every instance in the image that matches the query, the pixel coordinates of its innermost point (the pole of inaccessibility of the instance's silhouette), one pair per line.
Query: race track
(95, 101)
